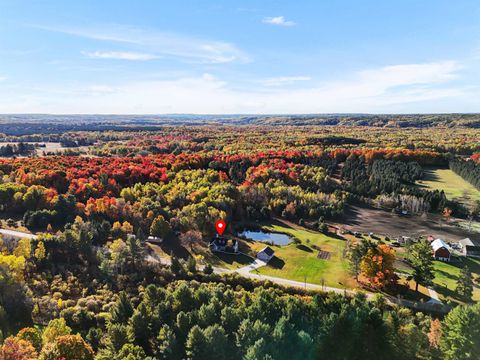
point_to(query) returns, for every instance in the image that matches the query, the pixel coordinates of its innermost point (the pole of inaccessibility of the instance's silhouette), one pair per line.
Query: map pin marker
(220, 225)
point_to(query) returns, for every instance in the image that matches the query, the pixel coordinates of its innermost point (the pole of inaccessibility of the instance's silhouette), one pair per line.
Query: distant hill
(28, 124)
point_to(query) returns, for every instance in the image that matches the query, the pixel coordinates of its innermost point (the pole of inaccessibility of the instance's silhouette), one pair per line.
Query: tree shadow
(276, 263)
(304, 248)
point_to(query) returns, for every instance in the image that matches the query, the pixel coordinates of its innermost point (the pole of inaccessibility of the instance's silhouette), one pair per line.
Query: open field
(365, 220)
(453, 185)
(300, 262)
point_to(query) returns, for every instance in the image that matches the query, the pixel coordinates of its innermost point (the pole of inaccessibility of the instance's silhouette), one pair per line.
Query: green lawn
(453, 185)
(446, 276)
(297, 261)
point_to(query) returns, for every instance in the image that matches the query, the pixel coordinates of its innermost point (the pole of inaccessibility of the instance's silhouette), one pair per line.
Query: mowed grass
(453, 185)
(446, 276)
(300, 262)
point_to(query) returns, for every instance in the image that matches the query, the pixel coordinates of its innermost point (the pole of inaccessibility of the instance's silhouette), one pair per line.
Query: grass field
(446, 276)
(453, 185)
(300, 262)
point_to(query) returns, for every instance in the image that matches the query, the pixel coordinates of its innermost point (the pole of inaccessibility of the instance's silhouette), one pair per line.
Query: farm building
(441, 251)
(266, 254)
(470, 247)
(221, 244)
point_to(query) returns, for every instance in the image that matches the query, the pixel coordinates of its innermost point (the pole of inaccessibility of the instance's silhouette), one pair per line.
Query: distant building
(441, 250)
(266, 254)
(154, 240)
(221, 244)
(470, 247)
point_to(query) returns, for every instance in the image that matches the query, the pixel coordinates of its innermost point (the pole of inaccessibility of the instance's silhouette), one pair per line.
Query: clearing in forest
(454, 186)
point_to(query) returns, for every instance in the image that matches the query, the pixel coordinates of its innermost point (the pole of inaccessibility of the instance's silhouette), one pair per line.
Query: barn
(441, 250)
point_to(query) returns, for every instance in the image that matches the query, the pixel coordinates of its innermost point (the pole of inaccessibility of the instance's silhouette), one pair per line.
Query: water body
(267, 237)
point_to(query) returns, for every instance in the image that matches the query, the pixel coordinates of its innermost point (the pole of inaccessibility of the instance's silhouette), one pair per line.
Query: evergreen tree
(465, 284)
(461, 333)
(421, 260)
(197, 347)
(122, 310)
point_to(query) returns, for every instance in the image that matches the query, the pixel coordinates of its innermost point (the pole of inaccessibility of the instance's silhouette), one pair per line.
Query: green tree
(166, 342)
(191, 264)
(421, 260)
(139, 326)
(117, 336)
(131, 352)
(160, 227)
(217, 342)
(122, 310)
(461, 333)
(465, 284)
(197, 347)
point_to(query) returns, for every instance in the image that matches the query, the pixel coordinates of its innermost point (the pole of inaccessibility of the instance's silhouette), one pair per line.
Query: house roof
(268, 250)
(466, 242)
(469, 242)
(438, 244)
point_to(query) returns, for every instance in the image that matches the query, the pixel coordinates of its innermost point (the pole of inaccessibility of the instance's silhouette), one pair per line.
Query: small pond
(267, 237)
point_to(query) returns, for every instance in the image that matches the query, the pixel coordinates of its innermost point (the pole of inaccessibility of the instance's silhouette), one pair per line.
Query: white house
(266, 254)
(222, 244)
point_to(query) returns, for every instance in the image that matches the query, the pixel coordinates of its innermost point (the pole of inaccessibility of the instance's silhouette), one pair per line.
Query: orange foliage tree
(377, 266)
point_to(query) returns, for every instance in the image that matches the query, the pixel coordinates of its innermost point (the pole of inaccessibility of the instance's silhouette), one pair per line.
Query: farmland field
(453, 185)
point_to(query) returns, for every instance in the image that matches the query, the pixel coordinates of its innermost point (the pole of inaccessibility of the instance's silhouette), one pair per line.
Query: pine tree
(465, 284)
(122, 310)
(196, 345)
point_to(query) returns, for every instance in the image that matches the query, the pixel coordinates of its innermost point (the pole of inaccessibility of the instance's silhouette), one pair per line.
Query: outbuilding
(469, 247)
(441, 250)
(266, 254)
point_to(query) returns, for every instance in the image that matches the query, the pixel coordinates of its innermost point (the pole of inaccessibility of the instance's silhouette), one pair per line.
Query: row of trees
(469, 170)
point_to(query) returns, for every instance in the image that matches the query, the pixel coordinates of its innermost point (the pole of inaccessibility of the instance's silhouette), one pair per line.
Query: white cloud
(120, 55)
(284, 80)
(190, 49)
(400, 88)
(278, 20)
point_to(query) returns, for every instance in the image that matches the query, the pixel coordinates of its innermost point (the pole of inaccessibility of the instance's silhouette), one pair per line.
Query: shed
(266, 254)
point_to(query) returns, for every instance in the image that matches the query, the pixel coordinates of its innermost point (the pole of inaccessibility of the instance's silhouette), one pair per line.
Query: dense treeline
(20, 149)
(391, 183)
(112, 304)
(469, 170)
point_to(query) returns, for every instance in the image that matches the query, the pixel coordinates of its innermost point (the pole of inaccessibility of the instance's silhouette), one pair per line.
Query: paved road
(17, 234)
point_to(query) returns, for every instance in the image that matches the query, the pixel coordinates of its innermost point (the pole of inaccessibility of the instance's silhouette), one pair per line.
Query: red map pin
(220, 225)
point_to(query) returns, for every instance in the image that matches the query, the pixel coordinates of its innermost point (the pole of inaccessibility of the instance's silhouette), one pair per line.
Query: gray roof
(267, 250)
(466, 242)
(469, 242)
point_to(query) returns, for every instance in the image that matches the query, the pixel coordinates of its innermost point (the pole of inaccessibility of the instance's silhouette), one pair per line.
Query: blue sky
(217, 57)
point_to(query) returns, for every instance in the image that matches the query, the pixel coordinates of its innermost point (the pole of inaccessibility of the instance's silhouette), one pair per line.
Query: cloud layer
(370, 90)
(156, 43)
